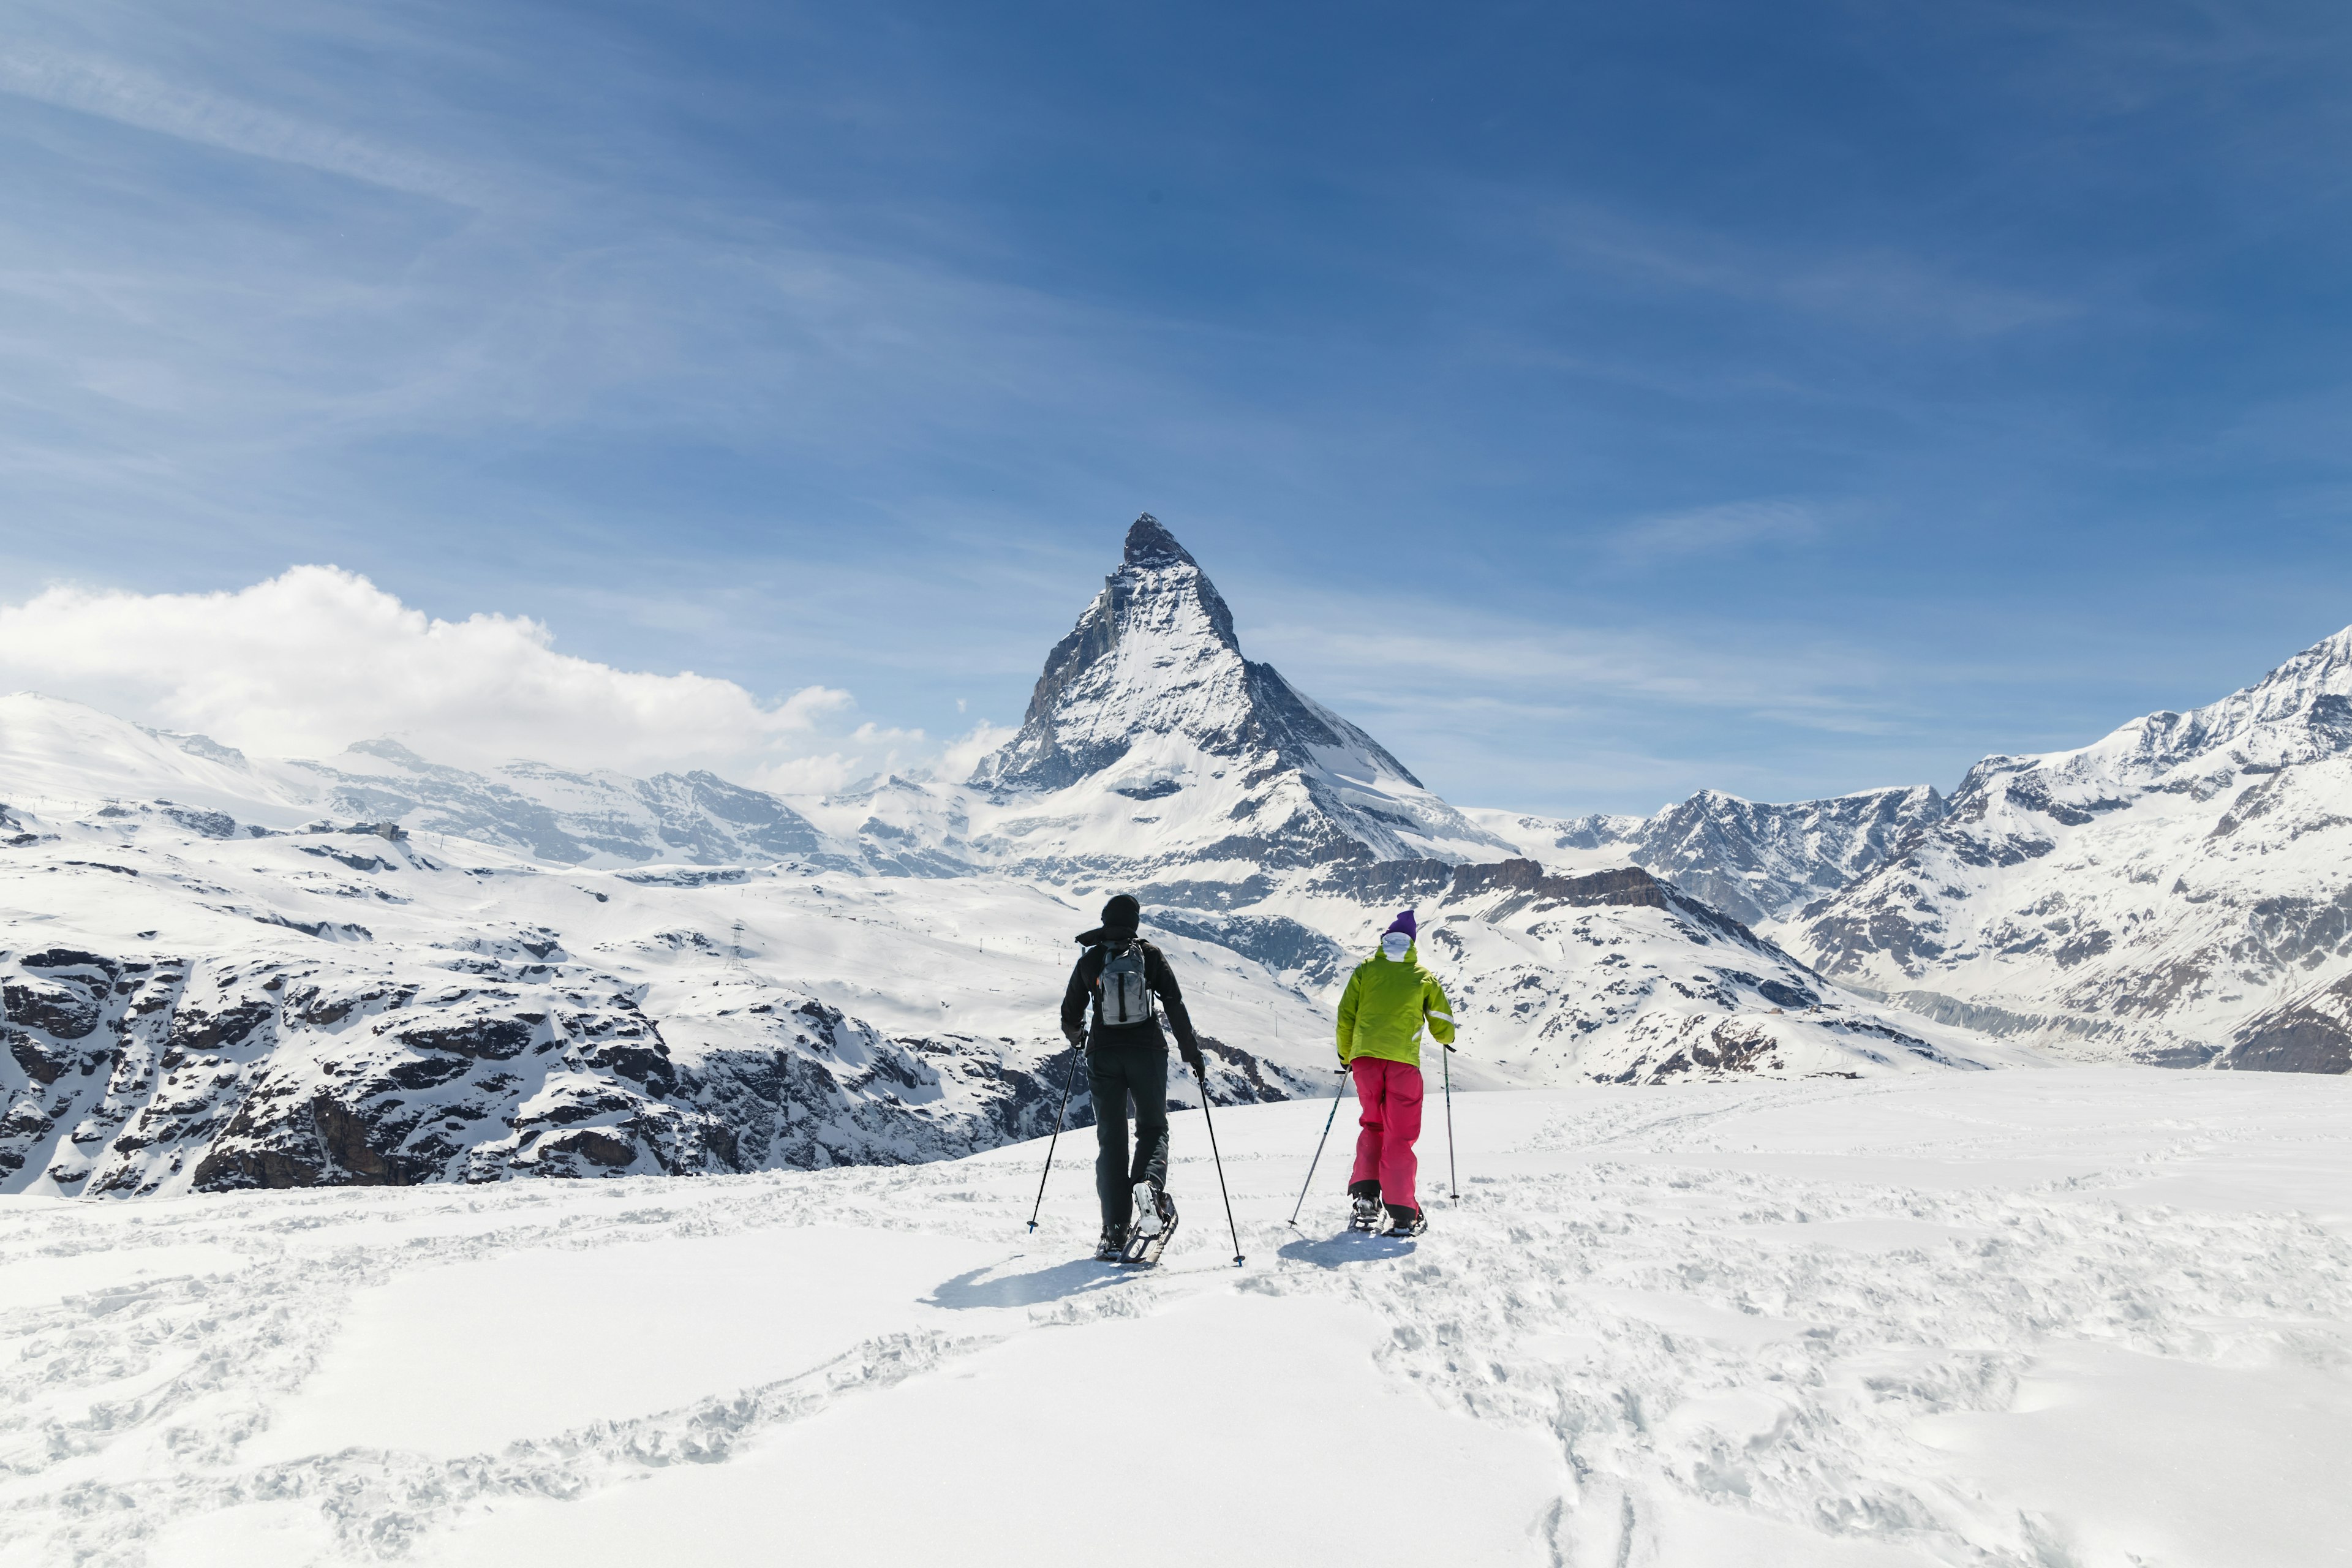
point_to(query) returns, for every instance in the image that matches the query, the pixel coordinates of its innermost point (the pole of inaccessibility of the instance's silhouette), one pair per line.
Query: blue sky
(1596, 401)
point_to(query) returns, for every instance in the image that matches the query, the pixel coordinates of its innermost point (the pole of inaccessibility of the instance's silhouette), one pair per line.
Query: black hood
(1120, 917)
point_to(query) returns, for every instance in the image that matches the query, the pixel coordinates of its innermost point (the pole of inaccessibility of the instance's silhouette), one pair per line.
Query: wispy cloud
(113, 90)
(1727, 528)
(1494, 709)
(1878, 288)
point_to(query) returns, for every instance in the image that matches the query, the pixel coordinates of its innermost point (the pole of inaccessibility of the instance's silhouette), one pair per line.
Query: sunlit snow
(2097, 1316)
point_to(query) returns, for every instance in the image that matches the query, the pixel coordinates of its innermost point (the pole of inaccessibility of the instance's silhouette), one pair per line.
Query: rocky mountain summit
(1148, 702)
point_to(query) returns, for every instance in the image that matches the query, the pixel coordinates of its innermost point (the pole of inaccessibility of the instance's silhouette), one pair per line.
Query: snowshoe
(1112, 1246)
(1143, 1249)
(1364, 1215)
(1404, 1221)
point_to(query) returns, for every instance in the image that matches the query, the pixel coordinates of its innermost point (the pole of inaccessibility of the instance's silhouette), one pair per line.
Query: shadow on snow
(1074, 1277)
(1338, 1251)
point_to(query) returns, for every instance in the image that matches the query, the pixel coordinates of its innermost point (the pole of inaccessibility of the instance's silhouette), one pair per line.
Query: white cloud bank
(308, 662)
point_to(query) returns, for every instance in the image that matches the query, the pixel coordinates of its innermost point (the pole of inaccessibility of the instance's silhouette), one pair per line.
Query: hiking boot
(1403, 1221)
(1113, 1243)
(1147, 1215)
(1364, 1212)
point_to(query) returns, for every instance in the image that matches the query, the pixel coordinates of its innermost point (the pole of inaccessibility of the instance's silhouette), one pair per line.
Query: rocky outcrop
(2311, 1033)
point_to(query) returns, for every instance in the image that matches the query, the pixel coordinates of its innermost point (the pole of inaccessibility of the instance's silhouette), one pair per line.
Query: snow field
(2091, 1317)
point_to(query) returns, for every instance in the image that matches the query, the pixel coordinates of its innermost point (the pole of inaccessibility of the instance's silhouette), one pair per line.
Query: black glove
(1194, 1059)
(1076, 1037)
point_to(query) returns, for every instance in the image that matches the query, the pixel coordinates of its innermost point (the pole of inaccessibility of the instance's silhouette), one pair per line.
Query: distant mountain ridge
(1757, 862)
(2178, 891)
(2173, 894)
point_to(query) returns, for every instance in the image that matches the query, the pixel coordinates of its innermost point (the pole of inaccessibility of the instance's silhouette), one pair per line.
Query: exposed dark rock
(483, 1039)
(208, 824)
(1283, 945)
(194, 1028)
(42, 1063)
(2312, 1033)
(599, 1147)
(61, 1007)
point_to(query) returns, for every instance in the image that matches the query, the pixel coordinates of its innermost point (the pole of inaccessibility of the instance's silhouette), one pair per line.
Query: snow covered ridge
(2179, 892)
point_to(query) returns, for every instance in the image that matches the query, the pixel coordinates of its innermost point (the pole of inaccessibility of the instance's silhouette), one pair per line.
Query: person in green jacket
(1389, 999)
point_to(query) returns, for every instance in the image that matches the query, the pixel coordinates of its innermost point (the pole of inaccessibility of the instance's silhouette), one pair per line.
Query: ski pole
(1310, 1181)
(1211, 1123)
(1068, 1078)
(1453, 1185)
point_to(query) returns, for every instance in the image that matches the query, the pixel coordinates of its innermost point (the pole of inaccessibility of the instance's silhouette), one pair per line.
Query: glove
(1194, 1059)
(1076, 1037)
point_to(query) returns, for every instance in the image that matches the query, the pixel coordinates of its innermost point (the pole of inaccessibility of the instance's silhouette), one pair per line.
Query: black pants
(1113, 1073)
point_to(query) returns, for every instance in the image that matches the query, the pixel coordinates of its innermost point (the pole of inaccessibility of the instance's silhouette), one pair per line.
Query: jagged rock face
(1759, 863)
(2150, 895)
(1148, 702)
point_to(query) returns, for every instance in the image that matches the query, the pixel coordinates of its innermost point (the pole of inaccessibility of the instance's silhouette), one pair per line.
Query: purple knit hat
(1404, 923)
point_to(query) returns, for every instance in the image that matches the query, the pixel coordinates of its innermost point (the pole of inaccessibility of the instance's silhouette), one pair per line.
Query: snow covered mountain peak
(1149, 699)
(1155, 652)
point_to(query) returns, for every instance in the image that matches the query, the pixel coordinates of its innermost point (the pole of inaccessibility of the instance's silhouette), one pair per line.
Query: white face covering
(1395, 944)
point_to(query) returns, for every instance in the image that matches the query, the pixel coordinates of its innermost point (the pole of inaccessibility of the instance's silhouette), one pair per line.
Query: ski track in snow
(1778, 1322)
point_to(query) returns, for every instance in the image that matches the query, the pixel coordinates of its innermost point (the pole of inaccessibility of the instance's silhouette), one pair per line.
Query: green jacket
(1385, 1005)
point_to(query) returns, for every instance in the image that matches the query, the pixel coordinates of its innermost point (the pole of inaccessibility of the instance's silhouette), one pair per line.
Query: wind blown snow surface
(2086, 1317)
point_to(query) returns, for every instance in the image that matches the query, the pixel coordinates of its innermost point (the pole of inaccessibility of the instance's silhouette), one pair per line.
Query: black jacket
(1081, 1001)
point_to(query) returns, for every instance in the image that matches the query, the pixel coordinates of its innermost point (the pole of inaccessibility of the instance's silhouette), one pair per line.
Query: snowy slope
(2096, 1318)
(2176, 891)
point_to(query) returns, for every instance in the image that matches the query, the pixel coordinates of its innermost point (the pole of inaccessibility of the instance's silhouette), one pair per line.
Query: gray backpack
(1125, 999)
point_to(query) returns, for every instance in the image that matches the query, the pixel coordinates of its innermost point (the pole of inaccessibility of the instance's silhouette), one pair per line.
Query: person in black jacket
(1126, 1060)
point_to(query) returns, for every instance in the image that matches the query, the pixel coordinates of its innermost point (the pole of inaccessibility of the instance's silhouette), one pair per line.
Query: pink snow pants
(1391, 1093)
